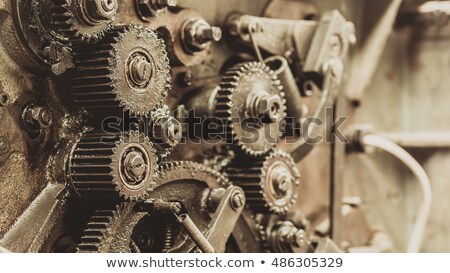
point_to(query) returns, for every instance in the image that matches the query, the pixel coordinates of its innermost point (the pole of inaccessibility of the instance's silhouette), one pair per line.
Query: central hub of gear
(139, 70)
(135, 166)
(264, 106)
(282, 181)
(99, 10)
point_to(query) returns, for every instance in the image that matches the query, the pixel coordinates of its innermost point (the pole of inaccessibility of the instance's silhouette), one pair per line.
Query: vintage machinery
(156, 126)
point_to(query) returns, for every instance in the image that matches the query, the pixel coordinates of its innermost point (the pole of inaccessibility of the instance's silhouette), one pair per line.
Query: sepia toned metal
(184, 126)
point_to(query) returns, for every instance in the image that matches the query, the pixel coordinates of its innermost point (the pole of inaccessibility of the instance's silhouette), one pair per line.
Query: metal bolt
(209, 34)
(187, 78)
(289, 234)
(348, 30)
(135, 166)
(176, 207)
(282, 181)
(100, 10)
(298, 239)
(161, 4)
(335, 44)
(167, 131)
(237, 200)
(263, 105)
(4, 146)
(36, 118)
(197, 35)
(153, 8)
(140, 70)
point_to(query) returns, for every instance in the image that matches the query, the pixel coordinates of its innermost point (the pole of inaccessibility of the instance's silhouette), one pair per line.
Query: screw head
(282, 182)
(265, 106)
(140, 70)
(237, 200)
(37, 118)
(161, 4)
(134, 166)
(197, 35)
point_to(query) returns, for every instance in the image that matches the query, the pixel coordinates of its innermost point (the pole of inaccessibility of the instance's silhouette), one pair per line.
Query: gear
(81, 20)
(251, 107)
(121, 228)
(269, 182)
(166, 131)
(113, 166)
(127, 70)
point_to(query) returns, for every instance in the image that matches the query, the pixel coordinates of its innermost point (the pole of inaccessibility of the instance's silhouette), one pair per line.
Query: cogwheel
(127, 70)
(82, 20)
(123, 228)
(113, 166)
(251, 107)
(166, 131)
(269, 182)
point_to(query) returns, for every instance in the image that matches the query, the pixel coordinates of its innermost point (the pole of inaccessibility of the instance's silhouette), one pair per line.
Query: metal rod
(195, 234)
(420, 140)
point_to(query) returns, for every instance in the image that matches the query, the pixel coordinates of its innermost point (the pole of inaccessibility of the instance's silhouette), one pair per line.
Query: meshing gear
(269, 182)
(114, 167)
(125, 228)
(251, 107)
(128, 70)
(82, 20)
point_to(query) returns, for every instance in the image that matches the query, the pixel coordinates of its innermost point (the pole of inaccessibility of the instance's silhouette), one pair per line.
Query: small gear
(82, 20)
(166, 131)
(122, 228)
(113, 166)
(251, 108)
(127, 70)
(269, 182)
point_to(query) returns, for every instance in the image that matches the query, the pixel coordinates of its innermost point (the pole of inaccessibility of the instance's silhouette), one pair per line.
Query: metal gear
(113, 166)
(127, 70)
(81, 20)
(269, 182)
(251, 107)
(279, 236)
(166, 131)
(122, 228)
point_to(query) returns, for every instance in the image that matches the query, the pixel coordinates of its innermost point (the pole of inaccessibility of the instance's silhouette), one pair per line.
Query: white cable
(423, 213)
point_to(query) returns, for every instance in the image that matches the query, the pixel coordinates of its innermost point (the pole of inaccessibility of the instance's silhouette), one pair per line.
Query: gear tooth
(93, 167)
(67, 24)
(97, 82)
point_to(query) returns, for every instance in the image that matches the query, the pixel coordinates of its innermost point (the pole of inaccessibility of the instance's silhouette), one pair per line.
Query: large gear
(121, 228)
(251, 107)
(113, 166)
(127, 70)
(80, 20)
(269, 182)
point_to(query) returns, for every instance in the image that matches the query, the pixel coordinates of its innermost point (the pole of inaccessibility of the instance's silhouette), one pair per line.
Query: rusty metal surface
(393, 76)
